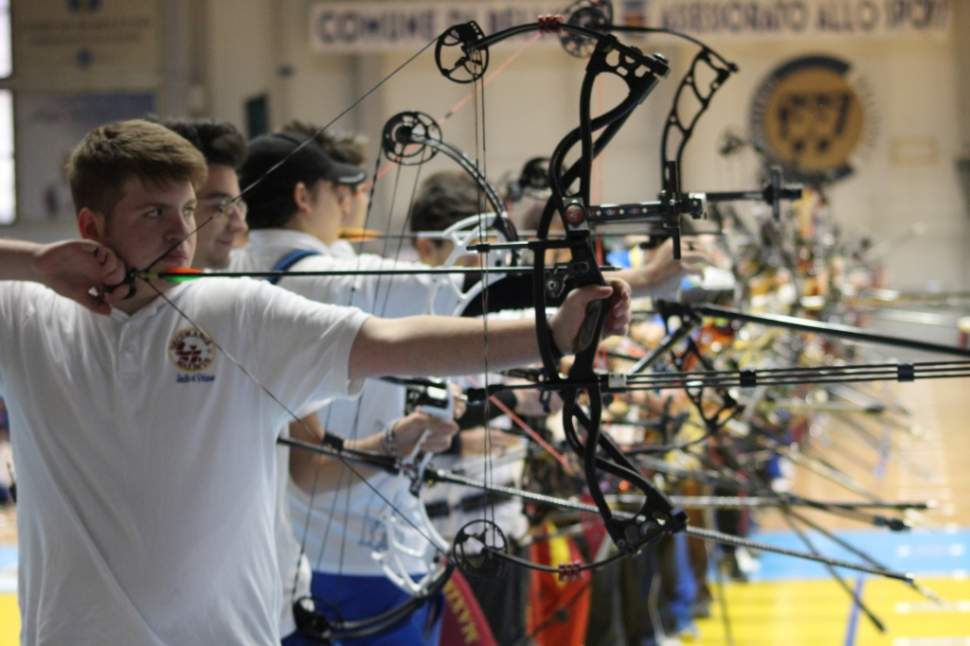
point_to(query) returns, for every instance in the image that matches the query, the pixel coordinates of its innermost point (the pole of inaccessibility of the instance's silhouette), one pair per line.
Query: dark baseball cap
(305, 162)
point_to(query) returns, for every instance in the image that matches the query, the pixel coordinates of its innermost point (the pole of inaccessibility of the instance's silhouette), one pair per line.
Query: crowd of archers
(231, 424)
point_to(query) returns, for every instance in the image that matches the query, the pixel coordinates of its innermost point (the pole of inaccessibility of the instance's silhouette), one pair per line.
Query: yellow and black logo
(810, 116)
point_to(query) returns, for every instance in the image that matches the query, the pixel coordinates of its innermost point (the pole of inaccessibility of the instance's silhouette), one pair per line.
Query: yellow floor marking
(812, 613)
(9, 620)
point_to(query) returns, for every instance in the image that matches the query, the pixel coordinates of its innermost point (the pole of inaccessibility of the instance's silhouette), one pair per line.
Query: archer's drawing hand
(81, 270)
(567, 323)
(408, 431)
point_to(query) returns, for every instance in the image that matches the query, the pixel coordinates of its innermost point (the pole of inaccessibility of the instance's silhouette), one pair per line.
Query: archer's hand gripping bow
(640, 73)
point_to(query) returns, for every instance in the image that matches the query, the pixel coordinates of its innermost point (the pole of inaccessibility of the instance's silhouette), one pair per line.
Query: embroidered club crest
(192, 350)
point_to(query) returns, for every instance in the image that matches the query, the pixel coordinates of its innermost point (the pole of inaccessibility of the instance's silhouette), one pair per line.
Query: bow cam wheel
(477, 549)
(406, 136)
(457, 58)
(595, 15)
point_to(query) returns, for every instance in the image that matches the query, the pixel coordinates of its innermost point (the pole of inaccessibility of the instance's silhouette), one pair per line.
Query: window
(6, 66)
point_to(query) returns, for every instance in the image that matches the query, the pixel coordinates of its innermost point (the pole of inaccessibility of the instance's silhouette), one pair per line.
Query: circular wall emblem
(810, 116)
(192, 350)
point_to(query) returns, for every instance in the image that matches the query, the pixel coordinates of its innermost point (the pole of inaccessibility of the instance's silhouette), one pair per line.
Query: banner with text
(106, 37)
(363, 25)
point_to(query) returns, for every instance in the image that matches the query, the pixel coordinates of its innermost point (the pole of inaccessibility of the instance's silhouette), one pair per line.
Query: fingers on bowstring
(112, 268)
(108, 270)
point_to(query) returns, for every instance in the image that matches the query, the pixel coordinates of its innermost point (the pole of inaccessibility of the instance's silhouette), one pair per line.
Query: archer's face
(353, 202)
(148, 221)
(220, 221)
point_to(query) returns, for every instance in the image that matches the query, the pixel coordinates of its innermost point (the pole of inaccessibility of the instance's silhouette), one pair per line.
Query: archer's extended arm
(441, 346)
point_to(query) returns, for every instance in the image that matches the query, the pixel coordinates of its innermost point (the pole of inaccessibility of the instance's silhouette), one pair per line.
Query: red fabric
(558, 609)
(463, 623)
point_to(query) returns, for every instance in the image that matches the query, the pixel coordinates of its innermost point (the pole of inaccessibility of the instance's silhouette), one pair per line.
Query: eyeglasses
(223, 205)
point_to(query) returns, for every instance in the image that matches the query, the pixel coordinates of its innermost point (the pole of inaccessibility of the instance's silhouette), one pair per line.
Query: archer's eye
(155, 212)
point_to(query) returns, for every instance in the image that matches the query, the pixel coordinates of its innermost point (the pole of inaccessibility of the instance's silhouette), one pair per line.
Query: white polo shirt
(384, 295)
(340, 529)
(146, 458)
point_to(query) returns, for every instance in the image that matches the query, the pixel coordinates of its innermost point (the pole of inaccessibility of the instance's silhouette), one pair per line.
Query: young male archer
(146, 441)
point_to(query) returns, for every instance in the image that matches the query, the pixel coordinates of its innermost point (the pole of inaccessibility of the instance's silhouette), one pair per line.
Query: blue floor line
(851, 630)
(921, 552)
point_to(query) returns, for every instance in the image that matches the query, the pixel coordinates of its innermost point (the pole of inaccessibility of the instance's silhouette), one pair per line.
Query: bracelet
(388, 441)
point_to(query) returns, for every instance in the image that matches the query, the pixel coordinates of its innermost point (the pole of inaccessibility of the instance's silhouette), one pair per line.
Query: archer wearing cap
(311, 189)
(296, 213)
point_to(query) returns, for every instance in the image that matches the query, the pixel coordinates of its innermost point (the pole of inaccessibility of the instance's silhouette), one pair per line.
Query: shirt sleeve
(389, 296)
(300, 346)
(16, 305)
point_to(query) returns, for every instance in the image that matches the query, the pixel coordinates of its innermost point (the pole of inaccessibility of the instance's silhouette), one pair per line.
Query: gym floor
(922, 456)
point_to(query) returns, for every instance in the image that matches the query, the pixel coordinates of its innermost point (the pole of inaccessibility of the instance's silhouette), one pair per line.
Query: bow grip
(589, 331)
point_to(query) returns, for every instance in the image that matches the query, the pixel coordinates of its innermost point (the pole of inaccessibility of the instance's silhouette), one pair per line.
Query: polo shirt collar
(150, 309)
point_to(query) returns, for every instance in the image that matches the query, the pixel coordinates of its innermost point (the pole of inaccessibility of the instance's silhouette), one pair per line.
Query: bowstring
(481, 165)
(241, 367)
(378, 311)
(400, 241)
(353, 435)
(355, 425)
(345, 492)
(265, 389)
(308, 515)
(303, 144)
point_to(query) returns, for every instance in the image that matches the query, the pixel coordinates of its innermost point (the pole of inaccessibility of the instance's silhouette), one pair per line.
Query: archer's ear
(91, 225)
(302, 197)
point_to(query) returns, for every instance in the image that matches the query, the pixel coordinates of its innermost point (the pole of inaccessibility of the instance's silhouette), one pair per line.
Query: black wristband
(475, 411)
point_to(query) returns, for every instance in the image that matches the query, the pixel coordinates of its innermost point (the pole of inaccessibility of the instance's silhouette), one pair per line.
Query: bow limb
(413, 138)
(433, 475)
(571, 206)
